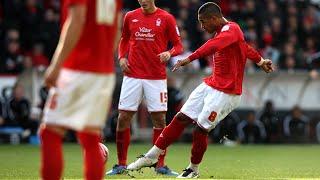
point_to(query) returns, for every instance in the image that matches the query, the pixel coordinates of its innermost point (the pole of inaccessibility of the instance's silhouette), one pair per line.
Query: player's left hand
(164, 56)
(51, 76)
(180, 63)
(267, 66)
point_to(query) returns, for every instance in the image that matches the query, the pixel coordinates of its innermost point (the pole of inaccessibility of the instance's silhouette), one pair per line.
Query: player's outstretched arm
(180, 63)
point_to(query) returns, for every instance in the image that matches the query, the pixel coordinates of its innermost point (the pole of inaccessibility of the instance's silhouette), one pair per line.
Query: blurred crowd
(286, 31)
(17, 116)
(268, 126)
(29, 34)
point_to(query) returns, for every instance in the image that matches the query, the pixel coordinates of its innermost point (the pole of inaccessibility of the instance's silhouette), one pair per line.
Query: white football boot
(141, 162)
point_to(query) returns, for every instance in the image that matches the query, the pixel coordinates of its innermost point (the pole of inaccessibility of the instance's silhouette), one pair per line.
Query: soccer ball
(105, 152)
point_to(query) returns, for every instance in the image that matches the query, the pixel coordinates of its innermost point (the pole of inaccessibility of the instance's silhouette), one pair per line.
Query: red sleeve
(125, 37)
(252, 54)
(73, 2)
(174, 36)
(229, 34)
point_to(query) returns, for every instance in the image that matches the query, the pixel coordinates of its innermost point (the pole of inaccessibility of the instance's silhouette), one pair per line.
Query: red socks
(93, 158)
(156, 134)
(123, 141)
(52, 159)
(51, 155)
(199, 146)
(171, 133)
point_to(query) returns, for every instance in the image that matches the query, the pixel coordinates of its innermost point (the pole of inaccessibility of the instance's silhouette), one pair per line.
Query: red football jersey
(144, 36)
(94, 49)
(230, 52)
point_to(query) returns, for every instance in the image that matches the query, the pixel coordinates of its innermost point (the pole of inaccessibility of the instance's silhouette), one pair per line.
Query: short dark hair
(210, 9)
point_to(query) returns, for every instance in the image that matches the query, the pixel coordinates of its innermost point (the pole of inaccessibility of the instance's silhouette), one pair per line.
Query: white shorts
(208, 106)
(80, 99)
(133, 90)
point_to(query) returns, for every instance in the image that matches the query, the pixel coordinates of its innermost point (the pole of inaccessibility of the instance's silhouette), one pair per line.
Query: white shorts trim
(133, 90)
(208, 106)
(80, 99)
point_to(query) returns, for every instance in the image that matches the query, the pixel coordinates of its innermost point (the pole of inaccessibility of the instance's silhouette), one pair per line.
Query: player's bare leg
(171, 133)
(122, 141)
(159, 123)
(51, 151)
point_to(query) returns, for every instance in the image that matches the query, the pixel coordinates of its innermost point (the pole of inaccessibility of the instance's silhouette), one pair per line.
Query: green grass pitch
(220, 162)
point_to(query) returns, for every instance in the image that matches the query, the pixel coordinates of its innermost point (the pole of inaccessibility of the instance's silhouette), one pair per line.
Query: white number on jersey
(106, 11)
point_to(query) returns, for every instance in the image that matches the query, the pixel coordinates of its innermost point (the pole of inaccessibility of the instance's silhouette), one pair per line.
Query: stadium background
(279, 108)
(287, 31)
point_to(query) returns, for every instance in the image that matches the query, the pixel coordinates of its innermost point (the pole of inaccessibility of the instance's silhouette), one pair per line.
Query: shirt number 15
(163, 97)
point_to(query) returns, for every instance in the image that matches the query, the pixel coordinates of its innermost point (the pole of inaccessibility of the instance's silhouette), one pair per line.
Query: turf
(220, 162)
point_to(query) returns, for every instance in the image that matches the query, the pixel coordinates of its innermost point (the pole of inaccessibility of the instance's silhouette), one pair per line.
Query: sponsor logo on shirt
(135, 20)
(144, 30)
(144, 34)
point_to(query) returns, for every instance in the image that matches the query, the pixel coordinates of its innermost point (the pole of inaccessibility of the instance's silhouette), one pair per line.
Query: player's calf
(93, 159)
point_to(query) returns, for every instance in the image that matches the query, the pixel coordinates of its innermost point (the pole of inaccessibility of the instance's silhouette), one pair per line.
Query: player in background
(81, 80)
(143, 54)
(217, 96)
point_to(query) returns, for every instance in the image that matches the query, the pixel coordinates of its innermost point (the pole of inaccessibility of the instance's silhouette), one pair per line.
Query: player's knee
(202, 130)
(182, 118)
(51, 128)
(159, 119)
(124, 120)
(159, 123)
